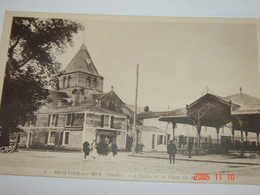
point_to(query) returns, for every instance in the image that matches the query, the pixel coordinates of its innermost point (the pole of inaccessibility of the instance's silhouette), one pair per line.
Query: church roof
(82, 62)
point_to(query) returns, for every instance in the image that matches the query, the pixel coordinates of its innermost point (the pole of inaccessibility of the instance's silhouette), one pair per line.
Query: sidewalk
(212, 158)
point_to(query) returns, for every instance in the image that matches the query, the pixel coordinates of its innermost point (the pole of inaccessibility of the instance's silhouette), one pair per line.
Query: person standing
(171, 150)
(86, 149)
(189, 149)
(93, 149)
(114, 148)
(141, 147)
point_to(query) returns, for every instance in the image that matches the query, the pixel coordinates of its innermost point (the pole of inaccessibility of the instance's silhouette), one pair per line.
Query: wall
(146, 139)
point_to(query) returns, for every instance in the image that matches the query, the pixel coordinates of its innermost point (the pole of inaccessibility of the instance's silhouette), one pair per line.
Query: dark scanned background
(177, 8)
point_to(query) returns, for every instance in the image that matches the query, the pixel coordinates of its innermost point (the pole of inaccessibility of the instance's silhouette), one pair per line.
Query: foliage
(32, 66)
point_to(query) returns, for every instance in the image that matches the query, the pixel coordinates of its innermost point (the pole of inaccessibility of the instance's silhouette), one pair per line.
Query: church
(79, 111)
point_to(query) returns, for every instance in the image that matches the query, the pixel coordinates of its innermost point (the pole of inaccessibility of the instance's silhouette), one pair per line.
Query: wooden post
(257, 138)
(198, 129)
(241, 133)
(246, 132)
(233, 136)
(198, 135)
(217, 129)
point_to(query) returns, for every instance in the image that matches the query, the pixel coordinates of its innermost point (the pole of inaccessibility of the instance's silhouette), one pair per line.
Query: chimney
(146, 109)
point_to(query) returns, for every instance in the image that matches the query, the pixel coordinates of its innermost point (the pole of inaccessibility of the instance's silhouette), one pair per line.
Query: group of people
(139, 148)
(102, 148)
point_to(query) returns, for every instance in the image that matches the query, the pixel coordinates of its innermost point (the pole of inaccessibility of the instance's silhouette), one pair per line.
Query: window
(159, 139)
(52, 140)
(106, 121)
(206, 129)
(53, 119)
(222, 130)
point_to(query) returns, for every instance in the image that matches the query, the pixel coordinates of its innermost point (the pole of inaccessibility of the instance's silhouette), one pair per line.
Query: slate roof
(81, 108)
(80, 63)
(132, 107)
(54, 96)
(99, 96)
(247, 104)
(223, 100)
(181, 112)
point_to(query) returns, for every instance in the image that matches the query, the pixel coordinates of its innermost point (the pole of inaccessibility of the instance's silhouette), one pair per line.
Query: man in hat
(171, 150)
(86, 149)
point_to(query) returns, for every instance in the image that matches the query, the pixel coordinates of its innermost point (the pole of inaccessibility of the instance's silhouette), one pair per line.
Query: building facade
(79, 111)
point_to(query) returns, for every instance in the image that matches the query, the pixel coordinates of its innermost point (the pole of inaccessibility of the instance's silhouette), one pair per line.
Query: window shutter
(68, 118)
(102, 120)
(61, 138)
(46, 137)
(112, 122)
(49, 120)
(56, 138)
(67, 138)
(56, 122)
(72, 119)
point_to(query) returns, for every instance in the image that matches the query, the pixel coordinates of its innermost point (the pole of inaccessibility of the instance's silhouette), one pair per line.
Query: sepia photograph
(130, 98)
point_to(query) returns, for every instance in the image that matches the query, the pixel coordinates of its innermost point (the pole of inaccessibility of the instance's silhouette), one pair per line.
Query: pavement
(210, 158)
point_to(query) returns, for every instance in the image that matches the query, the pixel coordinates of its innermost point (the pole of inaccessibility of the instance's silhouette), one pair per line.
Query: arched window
(64, 83)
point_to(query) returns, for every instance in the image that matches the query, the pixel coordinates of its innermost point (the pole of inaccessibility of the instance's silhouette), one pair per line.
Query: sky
(179, 60)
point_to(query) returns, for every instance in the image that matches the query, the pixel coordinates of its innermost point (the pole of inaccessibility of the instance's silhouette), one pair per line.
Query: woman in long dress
(93, 149)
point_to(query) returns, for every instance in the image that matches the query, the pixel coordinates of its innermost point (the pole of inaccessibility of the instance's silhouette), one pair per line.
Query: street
(139, 167)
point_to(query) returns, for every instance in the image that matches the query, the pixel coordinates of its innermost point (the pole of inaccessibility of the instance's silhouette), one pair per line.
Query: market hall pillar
(217, 130)
(198, 135)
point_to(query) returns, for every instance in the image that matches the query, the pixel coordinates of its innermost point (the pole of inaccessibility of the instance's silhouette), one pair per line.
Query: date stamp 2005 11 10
(218, 176)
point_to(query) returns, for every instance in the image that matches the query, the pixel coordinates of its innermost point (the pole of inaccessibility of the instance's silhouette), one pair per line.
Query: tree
(31, 67)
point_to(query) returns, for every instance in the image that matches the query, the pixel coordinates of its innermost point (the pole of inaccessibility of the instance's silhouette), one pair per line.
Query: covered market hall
(239, 112)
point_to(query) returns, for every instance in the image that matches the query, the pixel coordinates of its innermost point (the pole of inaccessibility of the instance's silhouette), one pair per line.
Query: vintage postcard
(130, 98)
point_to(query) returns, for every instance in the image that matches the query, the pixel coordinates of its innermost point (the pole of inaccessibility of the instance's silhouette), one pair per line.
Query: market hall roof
(216, 111)
(82, 62)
